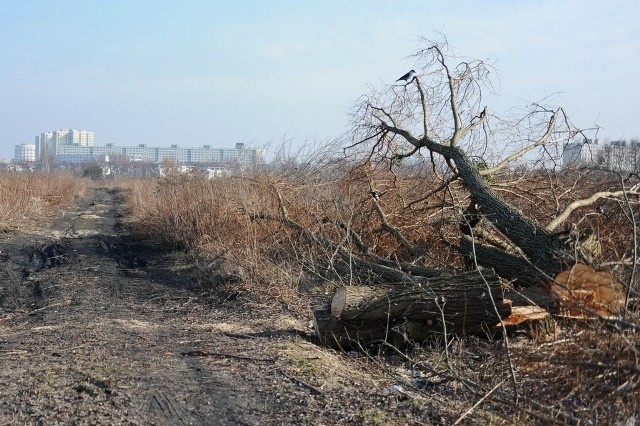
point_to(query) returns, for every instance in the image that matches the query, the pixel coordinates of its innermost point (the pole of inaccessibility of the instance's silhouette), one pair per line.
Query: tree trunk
(404, 313)
(509, 266)
(546, 252)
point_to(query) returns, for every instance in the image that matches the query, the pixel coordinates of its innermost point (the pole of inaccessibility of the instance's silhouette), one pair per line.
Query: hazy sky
(197, 72)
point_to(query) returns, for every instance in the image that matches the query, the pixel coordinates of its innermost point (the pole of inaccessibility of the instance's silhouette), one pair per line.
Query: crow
(408, 76)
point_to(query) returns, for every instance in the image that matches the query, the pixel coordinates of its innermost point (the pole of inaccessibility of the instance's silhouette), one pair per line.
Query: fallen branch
(386, 226)
(480, 401)
(199, 352)
(304, 384)
(635, 190)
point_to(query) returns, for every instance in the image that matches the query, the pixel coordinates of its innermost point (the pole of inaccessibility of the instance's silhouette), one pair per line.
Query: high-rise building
(25, 152)
(49, 143)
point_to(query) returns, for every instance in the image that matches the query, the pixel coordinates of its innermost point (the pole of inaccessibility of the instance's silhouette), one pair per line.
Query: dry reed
(30, 197)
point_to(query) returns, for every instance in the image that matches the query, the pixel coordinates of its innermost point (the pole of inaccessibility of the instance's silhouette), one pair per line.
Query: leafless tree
(440, 114)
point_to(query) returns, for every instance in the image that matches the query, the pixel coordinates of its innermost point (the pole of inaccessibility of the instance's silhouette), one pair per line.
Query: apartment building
(49, 143)
(620, 156)
(206, 155)
(25, 152)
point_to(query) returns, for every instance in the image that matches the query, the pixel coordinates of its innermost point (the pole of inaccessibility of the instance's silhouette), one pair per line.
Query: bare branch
(391, 229)
(541, 141)
(366, 139)
(434, 191)
(480, 119)
(356, 238)
(425, 110)
(387, 273)
(404, 133)
(559, 219)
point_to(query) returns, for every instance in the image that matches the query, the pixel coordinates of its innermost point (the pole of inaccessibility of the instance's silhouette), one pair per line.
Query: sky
(198, 72)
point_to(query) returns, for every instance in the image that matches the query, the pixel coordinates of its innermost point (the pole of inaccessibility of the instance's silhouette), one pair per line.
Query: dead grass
(211, 217)
(30, 197)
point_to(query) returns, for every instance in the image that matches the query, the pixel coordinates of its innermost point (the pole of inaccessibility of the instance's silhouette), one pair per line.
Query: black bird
(408, 76)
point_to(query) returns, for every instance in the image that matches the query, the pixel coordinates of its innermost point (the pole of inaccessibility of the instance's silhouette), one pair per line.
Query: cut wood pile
(467, 303)
(584, 292)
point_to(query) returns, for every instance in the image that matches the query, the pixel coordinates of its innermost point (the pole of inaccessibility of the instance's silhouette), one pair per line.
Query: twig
(392, 229)
(187, 298)
(312, 388)
(434, 191)
(199, 352)
(505, 339)
(635, 246)
(597, 365)
(66, 302)
(470, 410)
(444, 331)
(14, 352)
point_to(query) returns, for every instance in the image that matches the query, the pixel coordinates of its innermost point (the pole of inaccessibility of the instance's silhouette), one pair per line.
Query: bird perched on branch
(408, 76)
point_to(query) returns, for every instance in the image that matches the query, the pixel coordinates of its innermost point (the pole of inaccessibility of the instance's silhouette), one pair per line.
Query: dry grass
(277, 231)
(29, 197)
(210, 216)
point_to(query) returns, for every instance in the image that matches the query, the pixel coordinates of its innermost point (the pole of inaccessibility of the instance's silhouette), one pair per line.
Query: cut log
(412, 312)
(533, 296)
(509, 266)
(581, 292)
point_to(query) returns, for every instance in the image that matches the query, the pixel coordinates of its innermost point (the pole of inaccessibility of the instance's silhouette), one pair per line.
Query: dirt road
(96, 328)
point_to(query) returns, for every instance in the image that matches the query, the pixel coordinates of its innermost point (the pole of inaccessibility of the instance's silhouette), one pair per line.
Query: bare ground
(96, 328)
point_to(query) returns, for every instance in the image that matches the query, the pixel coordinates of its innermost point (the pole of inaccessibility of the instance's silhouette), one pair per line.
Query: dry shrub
(588, 375)
(543, 194)
(591, 371)
(298, 216)
(31, 196)
(213, 217)
(278, 228)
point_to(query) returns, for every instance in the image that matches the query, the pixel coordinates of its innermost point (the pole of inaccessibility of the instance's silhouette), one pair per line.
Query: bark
(509, 266)
(545, 250)
(351, 263)
(412, 312)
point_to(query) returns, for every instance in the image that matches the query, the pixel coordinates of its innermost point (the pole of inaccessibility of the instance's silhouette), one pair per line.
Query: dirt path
(98, 329)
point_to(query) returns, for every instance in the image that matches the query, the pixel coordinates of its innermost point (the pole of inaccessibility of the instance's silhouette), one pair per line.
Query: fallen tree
(456, 91)
(372, 242)
(439, 115)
